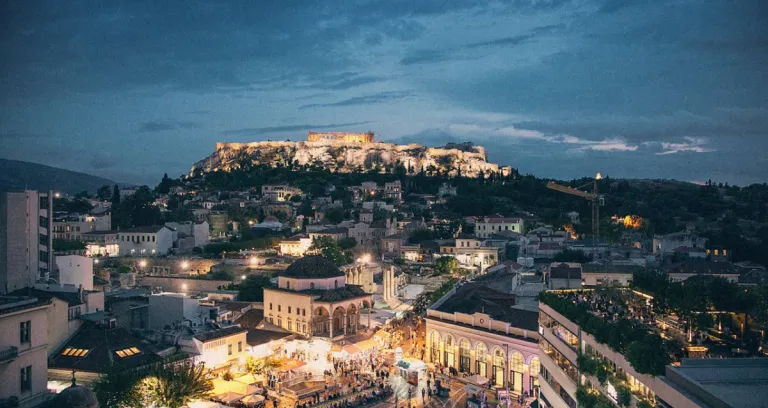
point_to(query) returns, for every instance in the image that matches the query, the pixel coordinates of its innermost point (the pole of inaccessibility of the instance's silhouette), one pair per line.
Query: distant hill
(19, 175)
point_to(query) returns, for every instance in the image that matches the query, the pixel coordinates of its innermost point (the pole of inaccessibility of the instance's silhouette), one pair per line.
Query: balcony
(8, 354)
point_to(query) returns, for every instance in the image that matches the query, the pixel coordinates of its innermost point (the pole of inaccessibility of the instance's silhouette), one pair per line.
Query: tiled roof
(72, 298)
(218, 334)
(563, 271)
(102, 345)
(149, 229)
(257, 337)
(251, 318)
(312, 267)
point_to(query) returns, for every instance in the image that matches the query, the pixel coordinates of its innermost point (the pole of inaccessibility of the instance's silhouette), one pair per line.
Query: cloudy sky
(644, 89)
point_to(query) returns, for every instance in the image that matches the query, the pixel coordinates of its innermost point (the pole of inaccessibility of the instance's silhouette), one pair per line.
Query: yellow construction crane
(595, 199)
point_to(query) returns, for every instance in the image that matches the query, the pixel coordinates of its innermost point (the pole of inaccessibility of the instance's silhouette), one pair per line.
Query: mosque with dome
(313, 299)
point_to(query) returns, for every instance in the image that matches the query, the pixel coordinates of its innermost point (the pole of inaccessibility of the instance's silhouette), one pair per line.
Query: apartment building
(26, 240)
(489, 226)
(23, 350)
(567, 350)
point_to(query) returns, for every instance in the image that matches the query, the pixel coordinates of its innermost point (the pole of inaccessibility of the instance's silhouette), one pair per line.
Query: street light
(254, 260)
(243, 277)
(142, 263)
(96, 261)
(185, 265)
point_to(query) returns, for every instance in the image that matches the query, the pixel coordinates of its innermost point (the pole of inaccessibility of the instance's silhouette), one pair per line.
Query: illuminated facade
(313, 299)
(498, 343)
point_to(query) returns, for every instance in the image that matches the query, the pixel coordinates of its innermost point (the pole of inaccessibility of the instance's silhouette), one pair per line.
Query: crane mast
(593, 197)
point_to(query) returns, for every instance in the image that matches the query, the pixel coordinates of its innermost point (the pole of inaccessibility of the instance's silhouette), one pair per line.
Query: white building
(101, 243)
(492, 225)
(178, 309)
(145, 241)
(26, 240)
(217, 348)
(471, 252)
(199, 230)
(75, 270)
(666, 244)
(295, 246)
(23, 347)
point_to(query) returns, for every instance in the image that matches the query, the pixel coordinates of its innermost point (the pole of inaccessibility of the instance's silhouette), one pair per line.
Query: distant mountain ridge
(19, 175)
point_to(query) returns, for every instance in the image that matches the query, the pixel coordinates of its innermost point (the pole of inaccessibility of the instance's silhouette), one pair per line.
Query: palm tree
(173, 385)
(119, 388)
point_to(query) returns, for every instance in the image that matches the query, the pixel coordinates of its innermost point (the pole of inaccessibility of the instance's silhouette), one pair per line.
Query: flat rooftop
(732, 382)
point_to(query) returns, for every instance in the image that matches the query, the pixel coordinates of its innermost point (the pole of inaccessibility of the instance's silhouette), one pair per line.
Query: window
(280, 322)
(303, 312)
(278, 308)
(229, 349)
(26, 379)
(43, 256)
(239, 346)
(289, 309)
(74, 312)
(25, 331)
(535, 367)
(74, 352)
(516, 362)
(312, 285)
(335, 284)
(288, 286)
(153, 238)
(127, 352)
(270, 306)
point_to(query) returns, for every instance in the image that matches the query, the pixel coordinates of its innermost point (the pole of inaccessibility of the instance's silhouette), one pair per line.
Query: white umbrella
(252, 399)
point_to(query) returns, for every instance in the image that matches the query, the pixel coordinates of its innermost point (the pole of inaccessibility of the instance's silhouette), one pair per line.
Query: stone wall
(350, 157)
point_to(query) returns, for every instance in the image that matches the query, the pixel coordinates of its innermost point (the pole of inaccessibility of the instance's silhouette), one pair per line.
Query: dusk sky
(644, 89)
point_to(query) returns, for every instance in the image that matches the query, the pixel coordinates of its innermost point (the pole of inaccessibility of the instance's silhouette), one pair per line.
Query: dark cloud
(155, 126)
(286, 128)
(372, 99)
(518, 39)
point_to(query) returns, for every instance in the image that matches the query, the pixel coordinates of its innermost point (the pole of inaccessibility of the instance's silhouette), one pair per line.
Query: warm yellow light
(243, 277)
(142, 263)
(184, 286)
(254, 260)
(598, 177)
(96, 261)
(366, 258)
(184, 265)
(57, 195)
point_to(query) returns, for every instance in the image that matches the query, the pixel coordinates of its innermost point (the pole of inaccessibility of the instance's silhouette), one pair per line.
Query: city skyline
(561, 89)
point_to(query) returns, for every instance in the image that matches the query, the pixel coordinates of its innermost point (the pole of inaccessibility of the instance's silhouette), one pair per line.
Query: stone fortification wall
(349, 157)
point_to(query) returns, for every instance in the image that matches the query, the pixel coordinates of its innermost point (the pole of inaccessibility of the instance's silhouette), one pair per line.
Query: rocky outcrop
(468, 160)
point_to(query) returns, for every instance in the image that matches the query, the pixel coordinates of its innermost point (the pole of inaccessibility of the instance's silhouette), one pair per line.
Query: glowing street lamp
(254, 260)
(96, 261)
(185, 265)
(366, 258)
(243, 277)
(142, 263)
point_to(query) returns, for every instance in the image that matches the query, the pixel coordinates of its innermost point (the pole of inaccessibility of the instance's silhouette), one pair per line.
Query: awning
(366, 345)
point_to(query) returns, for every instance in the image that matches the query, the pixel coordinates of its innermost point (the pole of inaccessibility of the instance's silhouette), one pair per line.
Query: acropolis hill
(349, 152)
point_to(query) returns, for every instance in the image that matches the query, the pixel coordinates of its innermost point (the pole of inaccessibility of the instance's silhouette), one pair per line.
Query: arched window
(449, 358)
(335, 284)
(498, 368)
(464, 356)
(434, 345)
(288, 284)
(516, 362)
(535, 366)
(312, 285)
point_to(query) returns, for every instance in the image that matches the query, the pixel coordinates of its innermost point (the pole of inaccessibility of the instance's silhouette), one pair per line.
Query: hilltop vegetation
(734, 217)
(19, 175)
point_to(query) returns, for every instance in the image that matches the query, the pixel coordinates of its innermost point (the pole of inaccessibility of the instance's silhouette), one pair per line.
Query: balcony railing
(8, 354)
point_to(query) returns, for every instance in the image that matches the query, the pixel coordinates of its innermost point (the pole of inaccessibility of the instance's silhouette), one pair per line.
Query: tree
(103, 193)
(418, 235)
(119, 388)
(568, 255)
(173, 385)
(330, 250)
(447, 265)
(347, 243)
(252, 288)
(116, 195)
(334, 215)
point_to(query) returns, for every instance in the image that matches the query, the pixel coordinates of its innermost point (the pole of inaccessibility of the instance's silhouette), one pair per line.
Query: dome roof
(312, 267)
(76, 396)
